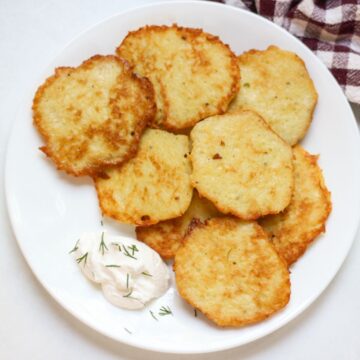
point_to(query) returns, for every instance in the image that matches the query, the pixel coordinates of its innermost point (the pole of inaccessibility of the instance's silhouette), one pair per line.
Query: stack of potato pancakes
(198, 148)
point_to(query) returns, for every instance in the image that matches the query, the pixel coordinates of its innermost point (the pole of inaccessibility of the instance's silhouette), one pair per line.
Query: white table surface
(32, 325)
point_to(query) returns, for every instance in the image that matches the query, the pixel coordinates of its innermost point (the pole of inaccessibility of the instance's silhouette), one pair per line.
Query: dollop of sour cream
(130, 273)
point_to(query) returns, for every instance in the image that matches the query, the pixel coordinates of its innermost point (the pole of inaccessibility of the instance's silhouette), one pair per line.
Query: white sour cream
(130, 273)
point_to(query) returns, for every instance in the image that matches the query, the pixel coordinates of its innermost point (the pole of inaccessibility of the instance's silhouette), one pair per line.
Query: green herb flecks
(127, 280)
(127, 330)
(128, 295)
(165, 311)
(112, 266)
(82, 259)
(146, 273)
(117, 245)
(152, 314)
(195, 312)
(75, 247)
(102, 246)
(133, 249)
(228, 254)
(126, 253)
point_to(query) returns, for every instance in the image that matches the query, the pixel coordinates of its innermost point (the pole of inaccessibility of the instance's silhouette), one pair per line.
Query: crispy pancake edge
(299, 59)
(96, 169)
(225, 209)
(196, 225)
(194, 32)
(292, 253)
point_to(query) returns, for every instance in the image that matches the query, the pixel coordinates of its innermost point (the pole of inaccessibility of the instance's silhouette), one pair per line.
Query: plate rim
(128, 340)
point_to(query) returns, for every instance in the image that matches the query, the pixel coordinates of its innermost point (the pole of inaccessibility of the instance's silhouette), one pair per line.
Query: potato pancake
(276, 84)
(166, 237)
(241, 165)
(153, 186)
(92, 116)
(230, 271)
(304, 219)
(194, 74)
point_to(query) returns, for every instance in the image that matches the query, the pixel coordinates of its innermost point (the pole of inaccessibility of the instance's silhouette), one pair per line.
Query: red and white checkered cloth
(331, 29)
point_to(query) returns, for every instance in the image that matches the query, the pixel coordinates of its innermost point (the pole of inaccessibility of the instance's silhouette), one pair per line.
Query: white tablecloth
(32, 325)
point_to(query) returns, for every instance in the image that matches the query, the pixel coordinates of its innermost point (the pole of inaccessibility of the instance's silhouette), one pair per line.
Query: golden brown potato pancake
(276, 84)
(151, 187)
(230, 271)
(194, 74)
(93, 115)
(166, 237)
(241, 165)
(304, 219)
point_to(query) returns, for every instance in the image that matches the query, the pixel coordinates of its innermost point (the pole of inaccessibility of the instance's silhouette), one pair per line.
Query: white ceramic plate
(49, 210)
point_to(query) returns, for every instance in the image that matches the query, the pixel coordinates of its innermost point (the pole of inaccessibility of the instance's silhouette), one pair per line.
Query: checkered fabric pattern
(331, 29)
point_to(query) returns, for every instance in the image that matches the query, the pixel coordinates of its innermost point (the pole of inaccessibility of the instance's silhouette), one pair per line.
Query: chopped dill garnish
(165, 311)
(127, 330)
(133, 248)
(152, 314)
(117, 245)
(75, 247)
(128, 295)
(102, 245)
(126, 253)
(127, 280)
(146, 273)
(82, 258)
(101, 222)
(113, 266)
(228, 254)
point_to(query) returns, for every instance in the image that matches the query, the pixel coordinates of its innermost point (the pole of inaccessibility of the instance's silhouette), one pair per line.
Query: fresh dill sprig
(146, 273)
(127, 280)
(127, 330)
(82, 258)
(75, 247)
(152, 314)
(102, 245)
(112, 266)
(165, 311)
(128, 295)
(133, 248)
(101, 222)
(117, 245)
(126, 253)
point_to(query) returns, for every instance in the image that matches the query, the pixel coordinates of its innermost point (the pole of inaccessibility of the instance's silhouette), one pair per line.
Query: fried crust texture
(166, 237)
(241, 165)
(194, 74)
(230, 271)
(92, 116)
(153, 186)
(276, 84)
(293, 230)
